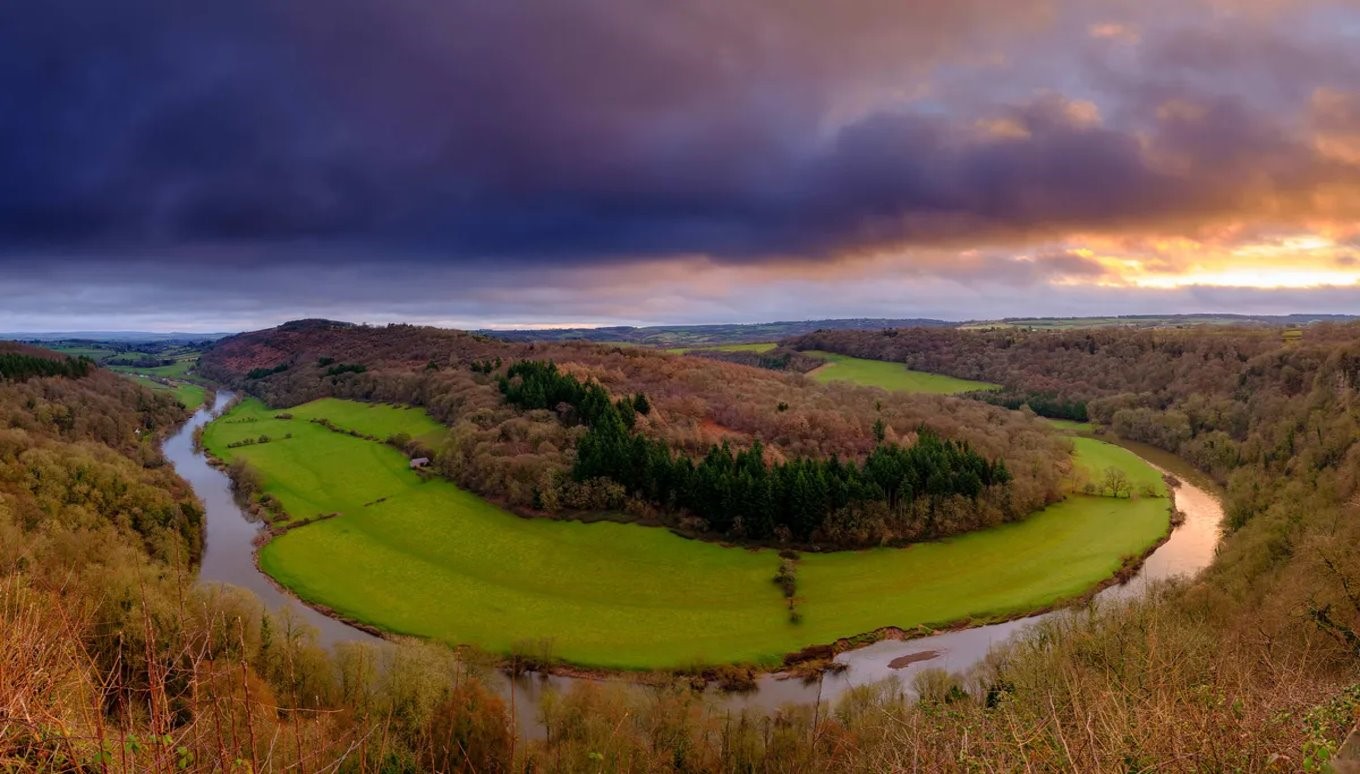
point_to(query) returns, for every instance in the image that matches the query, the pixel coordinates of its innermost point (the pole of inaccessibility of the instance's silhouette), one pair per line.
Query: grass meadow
(1095, 456)
(176, 370)
(1071, 427)
(420, 556)
(889, 376)
(762, 346)
(188, 393)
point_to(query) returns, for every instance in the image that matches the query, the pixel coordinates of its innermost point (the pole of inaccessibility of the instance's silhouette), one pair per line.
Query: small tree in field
(1116, 482)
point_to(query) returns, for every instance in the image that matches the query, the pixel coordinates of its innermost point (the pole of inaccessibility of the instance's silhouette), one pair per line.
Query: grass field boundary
(435, 561)
(889, 375)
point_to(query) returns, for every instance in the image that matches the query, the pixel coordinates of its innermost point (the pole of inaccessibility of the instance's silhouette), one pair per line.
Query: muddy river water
(228, 558)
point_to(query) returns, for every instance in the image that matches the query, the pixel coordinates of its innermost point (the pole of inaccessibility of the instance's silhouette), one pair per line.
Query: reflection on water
(229, 558)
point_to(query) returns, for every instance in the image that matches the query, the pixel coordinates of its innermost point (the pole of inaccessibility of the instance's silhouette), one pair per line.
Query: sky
(216, 166)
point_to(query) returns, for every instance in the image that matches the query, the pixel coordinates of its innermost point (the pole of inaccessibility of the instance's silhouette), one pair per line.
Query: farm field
(420, 556)
(191, 395)
(1095, 456)
(889, 376)
(177, 370)
(119, 357)
(761, 346)
(188, 393)
(1071, 427)
(376, 419)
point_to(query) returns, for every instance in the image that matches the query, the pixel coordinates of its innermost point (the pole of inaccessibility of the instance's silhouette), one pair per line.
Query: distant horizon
(178, 333)
(477, 165)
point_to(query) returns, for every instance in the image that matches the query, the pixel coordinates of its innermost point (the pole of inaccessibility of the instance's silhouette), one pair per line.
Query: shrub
(346, 368)
(260, 373)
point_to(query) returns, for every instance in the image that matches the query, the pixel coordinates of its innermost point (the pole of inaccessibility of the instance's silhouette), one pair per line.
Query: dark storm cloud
(472, 130)
(482, 127)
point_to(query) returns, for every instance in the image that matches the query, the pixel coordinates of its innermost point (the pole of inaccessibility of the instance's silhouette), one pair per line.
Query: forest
(18, 366)
(741, 495)
(1251, 666)
(776, 359)
(1197, 392)
(522, 448)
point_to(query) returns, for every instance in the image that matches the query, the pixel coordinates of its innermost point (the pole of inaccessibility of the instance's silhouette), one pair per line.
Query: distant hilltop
(690, 336)
(1162, 320)
(129, 336)
(675, 336)
(698, 335)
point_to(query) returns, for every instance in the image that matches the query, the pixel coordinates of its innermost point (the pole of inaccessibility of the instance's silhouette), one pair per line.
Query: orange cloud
(1114, 31)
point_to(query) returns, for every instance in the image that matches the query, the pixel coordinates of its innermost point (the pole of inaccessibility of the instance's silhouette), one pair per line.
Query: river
(229, 558)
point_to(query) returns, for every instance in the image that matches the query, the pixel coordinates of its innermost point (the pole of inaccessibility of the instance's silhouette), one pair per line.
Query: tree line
(524, 458)
(1243, 653)
(1045, 404)
(739, 493)
(17, 367)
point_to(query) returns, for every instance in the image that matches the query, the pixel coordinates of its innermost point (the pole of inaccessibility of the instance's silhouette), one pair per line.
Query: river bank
(230, 558)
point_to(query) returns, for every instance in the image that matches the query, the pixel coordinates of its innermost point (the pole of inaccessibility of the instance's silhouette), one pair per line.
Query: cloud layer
(1011, 143)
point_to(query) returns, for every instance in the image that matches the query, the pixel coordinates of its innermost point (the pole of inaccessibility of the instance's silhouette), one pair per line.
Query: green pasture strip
(420, 556)
(889, 376)
(762, 346)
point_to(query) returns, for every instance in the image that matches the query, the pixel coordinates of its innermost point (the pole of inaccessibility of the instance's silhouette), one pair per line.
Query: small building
(420, 462)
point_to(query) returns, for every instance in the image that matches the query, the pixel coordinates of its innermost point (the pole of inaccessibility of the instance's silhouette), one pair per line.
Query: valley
(336, 515)
(410, 553)
(733, 387)
(162, 364)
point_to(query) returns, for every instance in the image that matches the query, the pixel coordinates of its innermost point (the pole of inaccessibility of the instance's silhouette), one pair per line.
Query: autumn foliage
(533, 445)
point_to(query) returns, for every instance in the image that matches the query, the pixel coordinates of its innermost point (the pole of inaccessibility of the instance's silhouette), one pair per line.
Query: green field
(762, 346)
(117, 357)
(889, 376)
(94, 353)
(1071, 427)
(435, 561)
(1095, 456)
(191, 395)
(376, 419)
(177, 370)
(188, 393)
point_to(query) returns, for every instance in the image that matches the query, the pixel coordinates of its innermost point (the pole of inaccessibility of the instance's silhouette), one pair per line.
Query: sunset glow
(734, 160)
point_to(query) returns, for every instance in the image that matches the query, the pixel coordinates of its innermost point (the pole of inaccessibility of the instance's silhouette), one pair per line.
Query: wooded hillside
(1215, 395)
(110, 655)
(524, 455)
